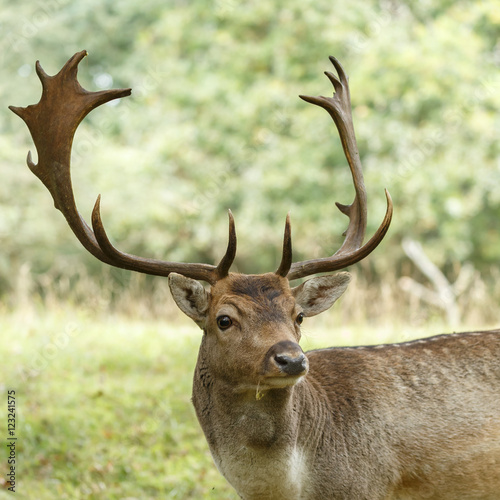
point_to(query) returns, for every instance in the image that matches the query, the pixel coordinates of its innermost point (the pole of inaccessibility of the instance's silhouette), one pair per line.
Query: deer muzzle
(285, 359)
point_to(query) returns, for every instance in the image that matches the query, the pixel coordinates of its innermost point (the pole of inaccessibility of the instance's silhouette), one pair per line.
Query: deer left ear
(319, 294)
(190, 296)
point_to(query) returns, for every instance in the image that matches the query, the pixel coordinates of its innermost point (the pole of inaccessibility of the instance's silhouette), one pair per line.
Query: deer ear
(190, 296)
(319, 294)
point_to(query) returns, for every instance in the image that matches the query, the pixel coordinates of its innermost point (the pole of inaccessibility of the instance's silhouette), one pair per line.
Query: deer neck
(259, 432)
(251, 418)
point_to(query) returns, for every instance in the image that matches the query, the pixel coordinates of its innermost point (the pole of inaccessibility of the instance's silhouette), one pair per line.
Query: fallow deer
(415, 420)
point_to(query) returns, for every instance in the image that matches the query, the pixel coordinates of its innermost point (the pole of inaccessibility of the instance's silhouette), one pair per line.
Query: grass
(103, 404)
(103, 410)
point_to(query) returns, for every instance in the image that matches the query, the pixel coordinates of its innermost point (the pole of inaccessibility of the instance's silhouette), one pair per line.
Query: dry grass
(379, 305)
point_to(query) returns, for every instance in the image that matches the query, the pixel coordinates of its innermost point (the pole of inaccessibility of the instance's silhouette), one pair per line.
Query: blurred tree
(214, 122)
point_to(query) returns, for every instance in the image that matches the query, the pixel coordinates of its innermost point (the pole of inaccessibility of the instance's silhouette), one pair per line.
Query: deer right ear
(190, 296)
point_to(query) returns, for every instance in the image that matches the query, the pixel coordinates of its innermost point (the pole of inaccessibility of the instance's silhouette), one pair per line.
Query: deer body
(418, 420)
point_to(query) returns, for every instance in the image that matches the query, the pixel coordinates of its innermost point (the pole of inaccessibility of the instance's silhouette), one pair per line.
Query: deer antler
(351, 251)
(53, 123)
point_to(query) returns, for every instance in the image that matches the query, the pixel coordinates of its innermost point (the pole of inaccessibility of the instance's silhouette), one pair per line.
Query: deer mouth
(281, 381)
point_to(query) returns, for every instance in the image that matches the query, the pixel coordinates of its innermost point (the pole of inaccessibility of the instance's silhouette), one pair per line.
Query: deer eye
(224, 322)
(300, 318)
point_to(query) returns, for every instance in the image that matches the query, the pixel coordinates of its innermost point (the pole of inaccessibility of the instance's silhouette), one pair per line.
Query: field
(103, 403)
(103, 409)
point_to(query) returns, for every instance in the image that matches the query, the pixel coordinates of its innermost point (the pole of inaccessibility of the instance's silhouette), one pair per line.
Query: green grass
(104, 411)
(103, 404)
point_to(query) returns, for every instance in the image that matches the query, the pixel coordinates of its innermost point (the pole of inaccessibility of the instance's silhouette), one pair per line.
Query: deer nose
(291, 365)
(287, 358)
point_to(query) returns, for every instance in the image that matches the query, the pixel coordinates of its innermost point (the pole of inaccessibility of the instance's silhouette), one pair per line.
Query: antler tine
(351, 251)
(53, 123)
(286, 259)
(226, 261)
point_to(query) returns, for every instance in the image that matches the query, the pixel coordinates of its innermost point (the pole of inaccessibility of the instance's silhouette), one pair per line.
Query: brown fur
(417, 420)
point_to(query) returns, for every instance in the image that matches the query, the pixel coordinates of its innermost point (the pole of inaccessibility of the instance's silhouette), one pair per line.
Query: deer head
(251, 324)
(244, 317)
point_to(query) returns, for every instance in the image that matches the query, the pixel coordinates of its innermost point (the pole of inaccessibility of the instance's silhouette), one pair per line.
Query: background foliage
(214, 122)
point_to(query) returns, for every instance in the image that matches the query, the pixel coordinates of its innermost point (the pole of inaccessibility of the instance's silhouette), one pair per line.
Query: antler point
(18, 110)
(286, 258)
(96, 211)
(345, 209)
(312, 99)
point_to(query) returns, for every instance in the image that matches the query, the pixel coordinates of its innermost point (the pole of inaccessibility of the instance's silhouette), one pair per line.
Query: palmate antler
(64, 104)
(53, 123)
(351, 251)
